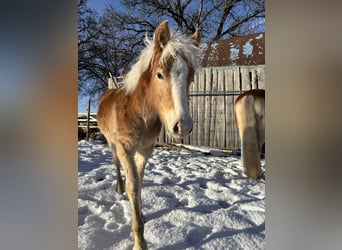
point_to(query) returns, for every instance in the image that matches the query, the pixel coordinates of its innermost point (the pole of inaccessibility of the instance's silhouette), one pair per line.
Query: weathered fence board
(207, 110)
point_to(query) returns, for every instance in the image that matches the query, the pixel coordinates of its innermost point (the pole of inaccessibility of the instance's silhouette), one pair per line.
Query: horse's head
(173, 66)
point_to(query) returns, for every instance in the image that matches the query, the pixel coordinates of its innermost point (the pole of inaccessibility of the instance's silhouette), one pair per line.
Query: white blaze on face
(179, 76)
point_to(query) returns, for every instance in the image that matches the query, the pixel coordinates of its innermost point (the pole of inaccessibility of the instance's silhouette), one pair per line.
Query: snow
(234, 53)
(248, 48)
(259, 36)
(203, 47)
(193, 198)
(213, 52)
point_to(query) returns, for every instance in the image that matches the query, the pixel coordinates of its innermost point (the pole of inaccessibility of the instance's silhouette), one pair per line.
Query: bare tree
(104, 48)
(89, 31)
(217, 19)
(110, 43)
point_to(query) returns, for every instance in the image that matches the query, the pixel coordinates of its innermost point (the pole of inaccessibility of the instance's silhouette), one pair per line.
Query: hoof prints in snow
(190, 201)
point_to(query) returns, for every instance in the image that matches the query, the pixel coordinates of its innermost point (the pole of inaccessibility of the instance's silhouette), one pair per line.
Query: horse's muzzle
(182, 129)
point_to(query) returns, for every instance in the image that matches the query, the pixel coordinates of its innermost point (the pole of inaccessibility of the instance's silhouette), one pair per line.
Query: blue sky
(99, 5)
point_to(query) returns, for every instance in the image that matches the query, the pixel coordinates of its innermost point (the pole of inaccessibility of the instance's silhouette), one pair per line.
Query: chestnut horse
(250, 119)
(155, 93)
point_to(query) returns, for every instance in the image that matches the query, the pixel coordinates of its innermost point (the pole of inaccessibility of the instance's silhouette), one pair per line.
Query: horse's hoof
(262, 177)
(120, 190)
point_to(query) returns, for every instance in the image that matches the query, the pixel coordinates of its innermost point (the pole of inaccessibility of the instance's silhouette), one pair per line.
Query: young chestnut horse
(155, 93)
(250, 119)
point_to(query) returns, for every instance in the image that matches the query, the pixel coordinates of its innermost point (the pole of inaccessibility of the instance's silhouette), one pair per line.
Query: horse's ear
(197, 36)
(162, 35)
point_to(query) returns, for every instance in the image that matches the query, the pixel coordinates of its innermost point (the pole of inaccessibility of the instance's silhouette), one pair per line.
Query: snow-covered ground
(198, 199)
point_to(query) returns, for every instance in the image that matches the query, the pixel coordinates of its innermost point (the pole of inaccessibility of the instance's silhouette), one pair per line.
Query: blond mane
(178, 44)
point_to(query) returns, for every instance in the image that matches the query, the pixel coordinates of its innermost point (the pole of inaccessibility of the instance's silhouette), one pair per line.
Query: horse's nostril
(175, 128)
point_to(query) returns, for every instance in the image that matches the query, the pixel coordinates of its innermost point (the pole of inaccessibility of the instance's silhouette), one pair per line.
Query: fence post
(88, 118)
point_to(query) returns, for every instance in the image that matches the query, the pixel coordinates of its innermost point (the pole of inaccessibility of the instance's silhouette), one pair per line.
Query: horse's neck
(141, 98)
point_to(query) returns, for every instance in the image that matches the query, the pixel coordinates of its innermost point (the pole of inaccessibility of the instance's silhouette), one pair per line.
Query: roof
(246, 50)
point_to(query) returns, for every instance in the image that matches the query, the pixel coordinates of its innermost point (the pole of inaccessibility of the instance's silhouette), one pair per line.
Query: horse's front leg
(133, 189)
(119, 184)
(141, 156)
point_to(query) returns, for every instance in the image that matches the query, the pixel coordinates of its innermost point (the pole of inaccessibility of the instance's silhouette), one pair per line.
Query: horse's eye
(160, 76)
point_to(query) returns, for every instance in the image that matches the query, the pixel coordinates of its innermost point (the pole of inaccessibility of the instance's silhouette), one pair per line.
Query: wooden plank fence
(212, 98)
(83, 118)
